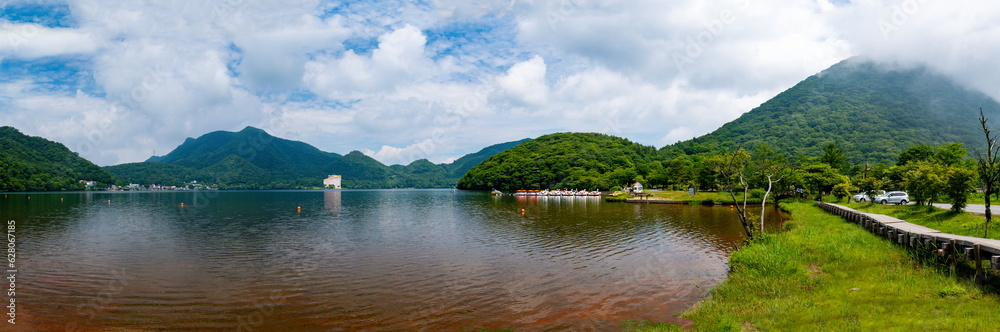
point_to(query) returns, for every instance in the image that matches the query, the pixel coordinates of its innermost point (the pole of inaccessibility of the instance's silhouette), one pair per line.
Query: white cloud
(29, 41)
(957, 38)
(404, 80)
(525, 84)
(391, 155)
(276, 59)
(399, 60)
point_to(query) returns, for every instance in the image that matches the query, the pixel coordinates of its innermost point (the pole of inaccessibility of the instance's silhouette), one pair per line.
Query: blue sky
(118, 81)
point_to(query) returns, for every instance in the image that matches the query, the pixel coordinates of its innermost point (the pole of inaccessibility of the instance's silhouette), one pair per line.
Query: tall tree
(987, 167)
(821, 177)
(834, 156)
(924, 181)
(958, 184)
(869, 185)
(914, 154)
(950, 154)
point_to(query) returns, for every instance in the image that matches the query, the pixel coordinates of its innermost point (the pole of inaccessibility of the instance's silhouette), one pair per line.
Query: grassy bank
(826, 274)
(716, 198)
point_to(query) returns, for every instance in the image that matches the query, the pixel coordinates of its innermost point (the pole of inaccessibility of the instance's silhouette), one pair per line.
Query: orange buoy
(109, 201)
(182, 204)
(299, 209)
(522, 211)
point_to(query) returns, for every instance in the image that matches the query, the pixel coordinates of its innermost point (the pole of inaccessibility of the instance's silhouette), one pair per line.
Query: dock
(923, 238)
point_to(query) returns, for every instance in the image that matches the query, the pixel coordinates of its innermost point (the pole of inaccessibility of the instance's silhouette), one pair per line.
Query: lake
(381, 260)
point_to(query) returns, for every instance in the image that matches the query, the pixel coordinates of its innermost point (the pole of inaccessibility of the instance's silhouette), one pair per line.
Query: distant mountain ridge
(254, 159)
(871, 111)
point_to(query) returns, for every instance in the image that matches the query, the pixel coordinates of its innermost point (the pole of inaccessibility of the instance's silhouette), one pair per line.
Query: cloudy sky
(118, 81)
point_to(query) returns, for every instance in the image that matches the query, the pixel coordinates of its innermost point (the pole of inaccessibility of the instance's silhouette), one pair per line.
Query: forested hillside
(871, 111)
(36, 164)
(565, 160)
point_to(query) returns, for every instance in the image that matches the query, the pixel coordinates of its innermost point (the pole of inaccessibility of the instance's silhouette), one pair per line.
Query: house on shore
(332, 182)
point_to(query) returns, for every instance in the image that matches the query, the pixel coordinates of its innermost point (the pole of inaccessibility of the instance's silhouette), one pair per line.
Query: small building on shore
(637, 187)
(332, 182)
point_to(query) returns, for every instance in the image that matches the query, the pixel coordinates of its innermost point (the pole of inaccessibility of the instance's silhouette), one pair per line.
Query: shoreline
(826, 273)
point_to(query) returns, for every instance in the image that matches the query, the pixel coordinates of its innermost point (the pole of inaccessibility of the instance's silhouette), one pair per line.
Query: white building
(332, 181)
(637, 187)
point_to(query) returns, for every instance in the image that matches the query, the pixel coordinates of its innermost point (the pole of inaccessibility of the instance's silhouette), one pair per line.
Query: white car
(893, 197)
(863, 196)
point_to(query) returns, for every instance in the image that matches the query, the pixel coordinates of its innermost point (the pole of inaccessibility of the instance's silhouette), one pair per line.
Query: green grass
(936, 218)
(827, 274)
(716, 198)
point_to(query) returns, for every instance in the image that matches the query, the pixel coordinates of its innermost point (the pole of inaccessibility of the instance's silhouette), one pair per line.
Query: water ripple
(376, 260)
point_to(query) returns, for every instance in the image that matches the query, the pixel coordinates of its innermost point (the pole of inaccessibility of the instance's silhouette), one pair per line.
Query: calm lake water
(382, 260)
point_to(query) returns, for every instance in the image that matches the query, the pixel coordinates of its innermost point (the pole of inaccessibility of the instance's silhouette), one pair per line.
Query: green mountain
(248, 159)
(253, 159)
(460, 166)
(36, 164)
(870, 111)
(290, 159)
(564, 160)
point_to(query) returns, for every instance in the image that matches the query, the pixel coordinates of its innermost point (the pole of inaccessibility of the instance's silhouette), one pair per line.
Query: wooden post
(980, 274)
(953, 254)
(995, 261)
(970, 253)
(913, 241)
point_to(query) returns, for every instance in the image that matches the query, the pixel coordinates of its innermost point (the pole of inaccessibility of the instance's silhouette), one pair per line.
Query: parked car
(893, 197)
(863, 196)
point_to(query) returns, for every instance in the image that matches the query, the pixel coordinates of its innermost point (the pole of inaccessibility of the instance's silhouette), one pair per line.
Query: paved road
(977, 209)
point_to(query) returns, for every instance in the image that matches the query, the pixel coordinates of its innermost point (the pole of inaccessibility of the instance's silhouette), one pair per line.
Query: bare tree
(773, 168)
(987, 167)
(732, 168)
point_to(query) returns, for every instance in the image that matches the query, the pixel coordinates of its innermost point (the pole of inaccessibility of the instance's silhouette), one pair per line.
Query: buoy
(522, 211)
(730, 206)
(182, 204)
(299, 209)
(109, 201)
